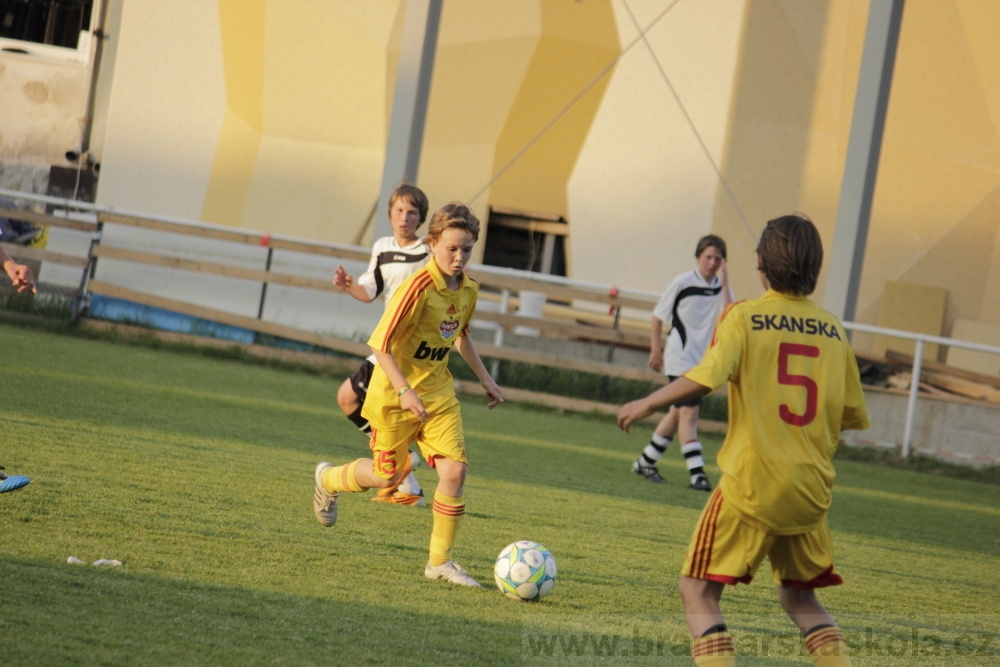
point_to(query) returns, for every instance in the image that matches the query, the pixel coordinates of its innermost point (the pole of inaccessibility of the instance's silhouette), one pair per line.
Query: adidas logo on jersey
(451, 310)
(435, 353)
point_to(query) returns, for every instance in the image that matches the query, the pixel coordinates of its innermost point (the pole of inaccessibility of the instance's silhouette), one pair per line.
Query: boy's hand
(493, 392)
(656, 359)
(341, 278)
(630, 413)
(411, 402)
(21, 277)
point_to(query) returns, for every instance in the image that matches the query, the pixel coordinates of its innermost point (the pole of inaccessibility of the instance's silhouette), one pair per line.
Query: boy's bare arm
(408, 400)
(468, 350)
(677, 391)
(656, 344)
(344, 280)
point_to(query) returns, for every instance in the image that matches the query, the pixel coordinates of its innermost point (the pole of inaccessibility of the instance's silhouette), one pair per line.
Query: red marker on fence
(265, 240)
(613, 293)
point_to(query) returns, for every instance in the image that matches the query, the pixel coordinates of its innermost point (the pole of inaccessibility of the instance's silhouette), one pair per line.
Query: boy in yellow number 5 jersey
(411, 397)
(793, 386)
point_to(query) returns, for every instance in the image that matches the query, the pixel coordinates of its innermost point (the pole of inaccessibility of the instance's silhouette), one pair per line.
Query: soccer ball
(525, 570)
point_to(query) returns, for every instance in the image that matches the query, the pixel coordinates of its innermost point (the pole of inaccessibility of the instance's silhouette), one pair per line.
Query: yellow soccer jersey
(419, 327)
(793, 386)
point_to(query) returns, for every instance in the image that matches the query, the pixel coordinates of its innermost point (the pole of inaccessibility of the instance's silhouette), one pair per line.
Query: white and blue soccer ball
(525, 570)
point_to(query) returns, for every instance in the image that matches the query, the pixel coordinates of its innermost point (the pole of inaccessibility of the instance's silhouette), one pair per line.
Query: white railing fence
(918, 356)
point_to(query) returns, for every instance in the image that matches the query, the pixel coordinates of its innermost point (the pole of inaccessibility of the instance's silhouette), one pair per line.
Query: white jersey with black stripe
(689, 307)
(390, 265)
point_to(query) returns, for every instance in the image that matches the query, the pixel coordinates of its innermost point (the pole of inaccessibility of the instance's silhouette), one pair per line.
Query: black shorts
(693, 403)
(361, 378)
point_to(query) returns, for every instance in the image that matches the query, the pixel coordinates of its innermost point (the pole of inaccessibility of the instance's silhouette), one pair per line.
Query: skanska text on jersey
(806, 325)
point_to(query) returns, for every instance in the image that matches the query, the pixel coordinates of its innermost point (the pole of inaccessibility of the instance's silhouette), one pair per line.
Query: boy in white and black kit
(394, 258)
(689, 307)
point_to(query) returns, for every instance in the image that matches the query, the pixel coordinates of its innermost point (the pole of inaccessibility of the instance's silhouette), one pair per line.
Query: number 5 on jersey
(786, 350)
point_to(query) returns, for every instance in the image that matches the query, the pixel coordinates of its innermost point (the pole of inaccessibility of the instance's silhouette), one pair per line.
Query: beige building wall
(165, 109)
(936, 215)
(935, 218)
(646, 124)
(788, 124)
(644, 187)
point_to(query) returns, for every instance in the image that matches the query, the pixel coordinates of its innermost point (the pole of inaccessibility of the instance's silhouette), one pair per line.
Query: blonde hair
(454, 215)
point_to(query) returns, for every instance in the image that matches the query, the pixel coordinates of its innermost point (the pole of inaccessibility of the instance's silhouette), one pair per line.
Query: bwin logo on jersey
(448, 328)
(435, 353)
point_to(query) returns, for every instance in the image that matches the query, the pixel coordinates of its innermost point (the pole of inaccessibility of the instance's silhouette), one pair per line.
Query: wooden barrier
(240, 321)
(45, 219)
(210, 267)
(234, 236)
(559, 321)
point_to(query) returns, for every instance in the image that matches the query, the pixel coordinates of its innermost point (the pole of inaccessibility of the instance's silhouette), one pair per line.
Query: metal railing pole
(911, 404)
(498, 336)
(82, 305)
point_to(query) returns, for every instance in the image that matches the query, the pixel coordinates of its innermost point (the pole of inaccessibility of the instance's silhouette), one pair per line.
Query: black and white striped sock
(693, 459)
(654, 450)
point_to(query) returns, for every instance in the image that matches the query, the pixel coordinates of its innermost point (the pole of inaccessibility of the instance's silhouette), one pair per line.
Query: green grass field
(196, 473)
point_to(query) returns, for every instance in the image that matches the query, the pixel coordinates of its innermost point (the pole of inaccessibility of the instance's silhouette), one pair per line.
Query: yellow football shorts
(441, 435)
(728, 549)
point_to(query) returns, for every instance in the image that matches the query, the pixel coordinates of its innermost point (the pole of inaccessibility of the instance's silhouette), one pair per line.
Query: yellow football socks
(714, 650)
(342, 478)
(827, 648)
(448, 513)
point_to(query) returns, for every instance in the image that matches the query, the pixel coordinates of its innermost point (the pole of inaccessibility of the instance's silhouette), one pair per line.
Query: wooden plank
(904, 358)
(567, 363)
(229, 271)
(253, 324)
(566, 330)
(559, 292)
(233, 236)
(324, 251)
(558, 311)
(962, 387)
(46, 220)
(39, 255)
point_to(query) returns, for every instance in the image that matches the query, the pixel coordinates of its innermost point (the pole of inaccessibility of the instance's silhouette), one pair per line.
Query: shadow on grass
(94, 615)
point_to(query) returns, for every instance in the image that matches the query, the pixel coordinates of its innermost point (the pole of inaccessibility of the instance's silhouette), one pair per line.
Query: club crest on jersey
(448, 328)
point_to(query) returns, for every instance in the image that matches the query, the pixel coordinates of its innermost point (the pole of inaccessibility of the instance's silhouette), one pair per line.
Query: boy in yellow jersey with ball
(793, 387)
(411, 396)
